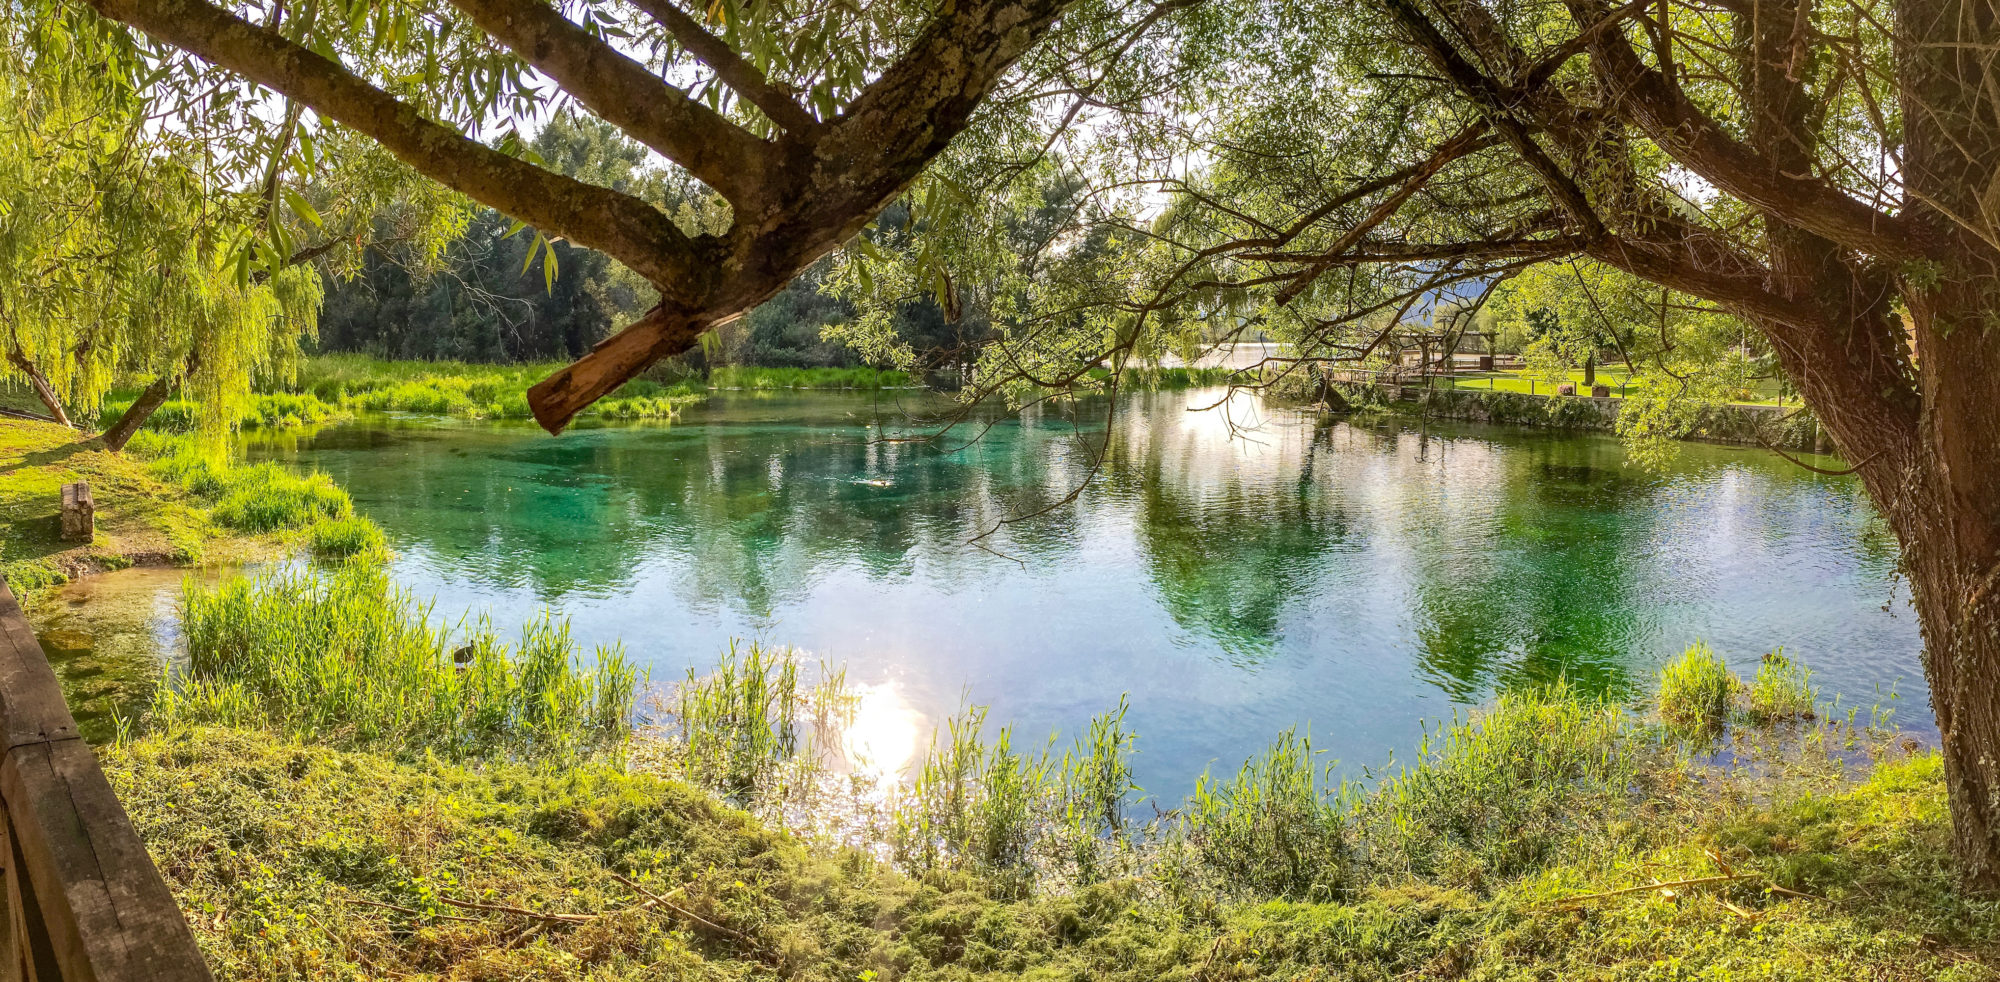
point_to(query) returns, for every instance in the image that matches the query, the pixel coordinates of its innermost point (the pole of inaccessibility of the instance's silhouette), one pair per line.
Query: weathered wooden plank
(10, 949)
(31, 701)
(108, 914)
(83, 893)
(36, 958)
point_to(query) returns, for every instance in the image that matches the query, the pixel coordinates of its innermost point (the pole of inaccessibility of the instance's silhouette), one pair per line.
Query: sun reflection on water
(882, 741)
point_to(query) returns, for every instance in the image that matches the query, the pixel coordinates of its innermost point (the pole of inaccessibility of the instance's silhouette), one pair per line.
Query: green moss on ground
(297, 861)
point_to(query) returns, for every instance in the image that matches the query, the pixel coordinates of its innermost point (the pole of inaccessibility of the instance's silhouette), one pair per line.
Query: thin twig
(655, 898)
(411, 910)
(1696, 881)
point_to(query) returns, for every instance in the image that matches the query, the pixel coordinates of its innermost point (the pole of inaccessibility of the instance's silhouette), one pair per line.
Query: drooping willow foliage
(115, 253)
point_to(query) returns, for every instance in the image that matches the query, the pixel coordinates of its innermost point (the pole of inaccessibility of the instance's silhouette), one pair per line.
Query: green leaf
(302, 208)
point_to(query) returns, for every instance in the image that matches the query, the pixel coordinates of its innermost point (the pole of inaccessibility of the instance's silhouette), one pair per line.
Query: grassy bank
(1550, 836)
(142, 517)
(464, 389)
(759, 378)
(164, 501)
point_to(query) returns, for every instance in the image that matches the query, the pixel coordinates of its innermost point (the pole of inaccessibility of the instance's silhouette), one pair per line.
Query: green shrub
(347, 657)
(1782, 690)
(1696, 689)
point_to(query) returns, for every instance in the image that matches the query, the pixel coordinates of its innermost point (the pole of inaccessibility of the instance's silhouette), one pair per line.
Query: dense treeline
(495, 296)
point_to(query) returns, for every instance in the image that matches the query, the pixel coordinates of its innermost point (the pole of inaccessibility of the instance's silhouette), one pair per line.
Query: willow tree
(111, 269)
(1827, 174)
(129, 258)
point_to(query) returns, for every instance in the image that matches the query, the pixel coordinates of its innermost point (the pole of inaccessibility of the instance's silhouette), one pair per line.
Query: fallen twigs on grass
(1690, 882)
(654, 899)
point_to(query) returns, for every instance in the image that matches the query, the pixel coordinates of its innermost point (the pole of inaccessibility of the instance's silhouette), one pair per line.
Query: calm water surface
(1351, 578)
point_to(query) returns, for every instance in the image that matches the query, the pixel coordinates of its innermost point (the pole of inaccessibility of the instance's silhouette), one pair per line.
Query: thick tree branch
(1663, 112)
(626, 94)
(857, 165)
(742, 77)
(620, 225)
(1498, 105)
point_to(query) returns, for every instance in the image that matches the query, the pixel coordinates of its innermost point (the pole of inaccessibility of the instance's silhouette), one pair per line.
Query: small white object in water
(873, 482)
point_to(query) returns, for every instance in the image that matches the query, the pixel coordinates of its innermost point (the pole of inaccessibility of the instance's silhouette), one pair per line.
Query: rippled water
(1350, 578)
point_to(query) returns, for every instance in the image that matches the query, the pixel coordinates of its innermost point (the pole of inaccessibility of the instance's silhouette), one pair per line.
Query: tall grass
(1696, 689)
(347, 657)
(254, 498)
(1782, 690)
(750, 730)
(1495, 792)
(1276, 827)
(1490, 794)
(352, 538)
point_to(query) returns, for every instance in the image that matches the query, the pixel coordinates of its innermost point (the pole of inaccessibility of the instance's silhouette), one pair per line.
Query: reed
(753, 732)
(1277, 827)
(1696, 689)
(351, 538)
(347, 657)
(1495, 792)
(1782, 690)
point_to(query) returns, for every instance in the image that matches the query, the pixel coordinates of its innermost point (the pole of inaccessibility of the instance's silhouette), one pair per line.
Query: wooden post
(79, 513)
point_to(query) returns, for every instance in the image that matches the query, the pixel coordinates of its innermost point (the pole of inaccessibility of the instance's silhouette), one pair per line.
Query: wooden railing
(83, 899)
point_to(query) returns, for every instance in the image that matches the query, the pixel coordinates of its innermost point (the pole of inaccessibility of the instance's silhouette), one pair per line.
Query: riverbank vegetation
(1550, 835)
(169, 500)
(358, 383)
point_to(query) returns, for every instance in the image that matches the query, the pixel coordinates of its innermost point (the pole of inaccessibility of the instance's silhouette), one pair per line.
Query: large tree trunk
(1951, 531)
(43, 391)
(143, 408)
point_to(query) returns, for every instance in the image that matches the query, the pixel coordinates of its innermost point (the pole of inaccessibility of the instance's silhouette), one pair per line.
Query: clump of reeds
(751, 731)
(1782, 690)
(346, 656)
(1696, 689)
(349, 538)
(1277, 827)
(1494, 792)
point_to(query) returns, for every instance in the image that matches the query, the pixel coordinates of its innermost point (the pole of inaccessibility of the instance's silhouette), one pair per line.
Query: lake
(1234, 571)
